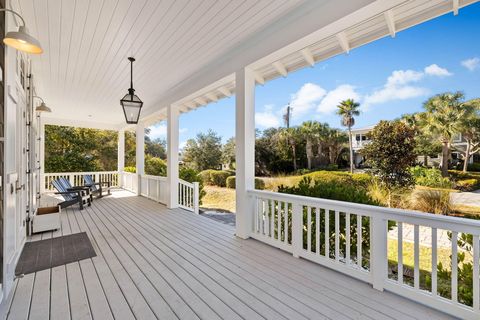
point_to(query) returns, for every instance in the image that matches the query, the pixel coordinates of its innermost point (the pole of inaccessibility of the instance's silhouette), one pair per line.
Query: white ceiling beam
(308, 56)
(259, 78)
(225, 91)
(190, 104)
(201, 101)
(280, 68)
(456, 5)
(342, 39)
(390, 20)
(211, 96)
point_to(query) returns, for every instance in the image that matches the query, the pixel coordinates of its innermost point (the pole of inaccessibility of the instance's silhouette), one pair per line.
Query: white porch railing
(76, 178)
(326, 232)
(188, 196)
(130, 181)
(155, 188)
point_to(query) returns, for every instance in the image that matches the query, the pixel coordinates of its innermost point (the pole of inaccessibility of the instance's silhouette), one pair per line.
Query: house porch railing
(326, 232)
(152, 187)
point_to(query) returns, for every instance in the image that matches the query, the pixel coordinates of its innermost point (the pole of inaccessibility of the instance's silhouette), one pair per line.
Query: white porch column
(172, 156)
(120, 156)
(245, 150)
(140, 153)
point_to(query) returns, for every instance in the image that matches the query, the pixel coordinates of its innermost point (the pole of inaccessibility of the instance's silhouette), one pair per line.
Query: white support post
(196, 197)
(245, 150)
(172, 156)
(297, 229)
(120, 156)
(140, 154)
(378, 251)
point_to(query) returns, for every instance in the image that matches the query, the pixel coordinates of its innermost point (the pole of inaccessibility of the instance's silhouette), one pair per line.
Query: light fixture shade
(43, 108)
(22, 41)
(132, 105)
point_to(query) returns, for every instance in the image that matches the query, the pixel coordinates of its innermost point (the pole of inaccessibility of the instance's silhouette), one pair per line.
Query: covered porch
(158, 263)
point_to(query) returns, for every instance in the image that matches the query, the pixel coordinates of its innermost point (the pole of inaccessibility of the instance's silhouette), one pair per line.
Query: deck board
(156, 263)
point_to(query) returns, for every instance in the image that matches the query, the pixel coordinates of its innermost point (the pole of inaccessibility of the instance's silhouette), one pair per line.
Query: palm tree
(336, 142)
(290, 136)
(309, 130)
(443, 117)
(348, 109)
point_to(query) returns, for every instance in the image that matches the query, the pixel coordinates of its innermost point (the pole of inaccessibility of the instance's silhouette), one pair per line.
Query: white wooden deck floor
(155, 263)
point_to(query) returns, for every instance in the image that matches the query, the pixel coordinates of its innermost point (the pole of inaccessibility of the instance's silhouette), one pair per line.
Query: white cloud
(267, 118)
(158, 131)
(332, 98)
(398, 87)
(471, 64)
(182, 145)
(305, 99)
(436, 70)
(183, 130)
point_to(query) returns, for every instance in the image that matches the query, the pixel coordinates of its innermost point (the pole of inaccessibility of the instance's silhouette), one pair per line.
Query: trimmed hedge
(216, 177)
(358, 179)
(259, 183)
(130, 169)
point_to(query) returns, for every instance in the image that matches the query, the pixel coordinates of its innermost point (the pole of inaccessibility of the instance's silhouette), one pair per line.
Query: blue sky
(389, 77)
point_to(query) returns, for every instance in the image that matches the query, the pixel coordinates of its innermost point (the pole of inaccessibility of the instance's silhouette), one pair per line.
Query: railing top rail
(83, 172)
(408, 216)
(188, 184)
(149, 176)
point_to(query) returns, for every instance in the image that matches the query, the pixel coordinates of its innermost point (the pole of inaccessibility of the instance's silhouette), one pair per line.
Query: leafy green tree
(291, 136)
(348, 109)
(470, 129)
(155, 166)
(228, 153)
(336, 143)
(443, 117)
(204, 152)
(310, 131)
(391, 154)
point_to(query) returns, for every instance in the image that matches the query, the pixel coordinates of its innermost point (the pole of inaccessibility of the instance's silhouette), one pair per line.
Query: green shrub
(231, 182)
(206, 176)
(130, 169)
(259, 183)
(474, 167)
(155, 166)
(219, 178)
(216, 177)
(468, 184)
(358, 179)
(430, 177)
(341, 188)
(192, 175)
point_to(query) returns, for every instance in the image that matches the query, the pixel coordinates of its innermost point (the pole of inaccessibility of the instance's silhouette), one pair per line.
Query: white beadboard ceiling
(84, 70)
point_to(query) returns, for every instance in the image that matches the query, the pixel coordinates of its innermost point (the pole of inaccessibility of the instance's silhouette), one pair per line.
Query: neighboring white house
(360, 138)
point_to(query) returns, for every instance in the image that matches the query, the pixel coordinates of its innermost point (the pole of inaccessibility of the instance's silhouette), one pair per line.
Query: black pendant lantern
(131, 103)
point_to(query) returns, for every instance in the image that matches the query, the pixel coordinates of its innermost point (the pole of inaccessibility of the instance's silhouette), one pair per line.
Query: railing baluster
(279, 221)
(416, 258)
(267, 218)
(434, 261)
(476, 271)
(400, 252)
(272, 219)
(317, 231)
(454, 266)
(347, 238)
(359, 241)
(337, 235)
(476, 275)
(327, 233)
(285, 222)
(309, 229)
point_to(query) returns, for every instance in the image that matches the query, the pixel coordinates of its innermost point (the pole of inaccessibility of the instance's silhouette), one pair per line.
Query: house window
(457, 137)
(357, 137)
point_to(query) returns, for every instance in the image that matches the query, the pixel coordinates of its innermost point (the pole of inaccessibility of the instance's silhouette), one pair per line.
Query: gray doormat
(49, 253)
